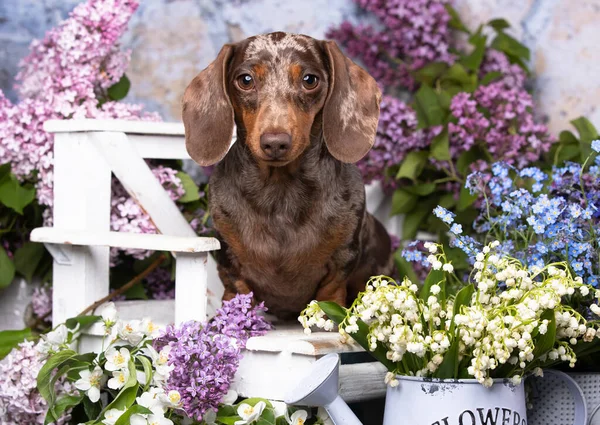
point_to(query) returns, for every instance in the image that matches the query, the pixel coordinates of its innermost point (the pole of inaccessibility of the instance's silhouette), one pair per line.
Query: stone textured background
(172, 40)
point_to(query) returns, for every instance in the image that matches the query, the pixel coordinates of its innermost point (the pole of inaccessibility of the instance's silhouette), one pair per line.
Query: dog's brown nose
(275, 145)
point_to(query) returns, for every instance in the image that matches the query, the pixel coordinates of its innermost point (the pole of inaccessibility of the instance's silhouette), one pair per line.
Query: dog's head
(273, 87)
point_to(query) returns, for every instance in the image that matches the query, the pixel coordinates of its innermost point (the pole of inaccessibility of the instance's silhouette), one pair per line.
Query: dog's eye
(310, 81)
(246, 82)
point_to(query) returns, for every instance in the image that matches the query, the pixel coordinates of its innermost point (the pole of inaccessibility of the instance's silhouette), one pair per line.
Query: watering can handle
(581, 414)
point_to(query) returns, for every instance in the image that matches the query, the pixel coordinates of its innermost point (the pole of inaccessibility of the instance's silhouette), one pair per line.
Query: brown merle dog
(286, 200)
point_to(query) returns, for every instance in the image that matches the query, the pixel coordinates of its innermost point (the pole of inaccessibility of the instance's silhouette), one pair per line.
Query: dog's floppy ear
(207, 112)
(351, 111)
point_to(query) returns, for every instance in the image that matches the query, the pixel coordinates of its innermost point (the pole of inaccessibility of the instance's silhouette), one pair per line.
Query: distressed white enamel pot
(418, 401)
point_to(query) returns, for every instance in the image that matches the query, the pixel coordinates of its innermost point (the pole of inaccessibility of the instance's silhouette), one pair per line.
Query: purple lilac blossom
(20, 401)
(41, 302)
(206, 357)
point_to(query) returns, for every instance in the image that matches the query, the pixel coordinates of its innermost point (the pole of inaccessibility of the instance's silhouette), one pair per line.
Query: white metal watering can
(428, 402)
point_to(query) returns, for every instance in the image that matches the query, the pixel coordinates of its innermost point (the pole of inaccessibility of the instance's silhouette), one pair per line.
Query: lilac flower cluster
(506, 129)
(20, 401)
(397, 134)
(64, 76)
(41, 302)
(512, 75)
(205, 358)
(159, 284)
(416, 33)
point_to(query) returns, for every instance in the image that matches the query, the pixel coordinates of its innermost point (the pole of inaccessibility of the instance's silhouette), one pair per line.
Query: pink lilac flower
(416, 33)
(20, 401)
(495, 61)
(41, 302)
(160, 285)
(205, 358)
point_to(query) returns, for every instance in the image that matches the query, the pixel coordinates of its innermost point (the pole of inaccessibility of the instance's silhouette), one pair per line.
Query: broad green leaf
(45, 375)
(513, 48)
(448, 369)
(427, 106)
(27, 258)
(465, 199)
(62, 404)
(191, 188)
(421, 189)
(338, 314)
(92, 410)
(281, 421)
(226, 410)
(587, 134)
(430, 72)
(13, 195)
(11, 339)
(457, 79)
(4, 170)
(473, 60)
(266, 418)
(136, 292)
(413, 220)
(447, 201)
(465, 160)
(405, 268)
(440, 146)
(566, 137)
(403, 202)
(126, 396)
(120, 89)
(147, 370)
(489, 77)
(135, 409)
(455, 21)
(252, 401)
(433, 278)
(566, 153)
(545, 342)
(7, 269)
(412, 165)
(463, 297)
(228, 420)
(499, 24)
(83, 321)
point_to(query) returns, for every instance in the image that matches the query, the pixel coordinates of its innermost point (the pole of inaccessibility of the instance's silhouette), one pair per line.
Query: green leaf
(463, 297)
(567, 138)
(587, 134)
(191, 188)
(405, 268)
(489, 77)
(338, 314)
(403, 202)
(62, 404)
(266, 418)
(10, 339)
(545, 342)
(422, 189)
(465, 199)
(136, 409)
(440, 146)
(433, 278)
(465, 159)
(473, 61)
(413, 220)
(7, 269)
(120, 89)
(83, 321)
(412, 165)
(455, 21)
(136, 292)
(125, 398)
(429, 73)
(147, 370)
(228, 420)
(254, 400)
(92, 410)
(458, 76)
(4, 170)
(45, 375)
(427, 106)
(499, 24)
(27, 259)
(448, 369)
(13, 195)
(513, 48)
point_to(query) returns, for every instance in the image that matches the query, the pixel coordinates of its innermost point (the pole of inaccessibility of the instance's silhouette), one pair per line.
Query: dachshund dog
(286, 200)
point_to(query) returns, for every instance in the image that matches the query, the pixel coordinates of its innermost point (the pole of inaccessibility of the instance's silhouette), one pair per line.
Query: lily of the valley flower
(249, 413)
(298, 417)
(119, 379)
(90, 383)
(111, 416)
(116, 359)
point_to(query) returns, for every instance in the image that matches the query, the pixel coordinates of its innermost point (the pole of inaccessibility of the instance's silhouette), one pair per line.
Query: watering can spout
(320, 388)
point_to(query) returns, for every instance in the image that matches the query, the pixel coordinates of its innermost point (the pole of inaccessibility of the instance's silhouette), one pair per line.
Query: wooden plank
(123, 126)
(190, 288)
(290, 338)
(152, 146)
(124, 240)
(81, 203)
(362, 381)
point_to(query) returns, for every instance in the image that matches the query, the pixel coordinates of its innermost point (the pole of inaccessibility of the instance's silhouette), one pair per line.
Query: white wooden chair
(86, 152)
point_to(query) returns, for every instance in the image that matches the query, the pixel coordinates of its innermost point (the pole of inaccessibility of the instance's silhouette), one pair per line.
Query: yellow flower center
(128, 328)
(174, 397)
(248, 410)
(95, 380)
(300, 421)
(122, 378)
(119, 358)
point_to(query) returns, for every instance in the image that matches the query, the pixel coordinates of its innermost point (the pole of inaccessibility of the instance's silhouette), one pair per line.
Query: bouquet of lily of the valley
(508, 321)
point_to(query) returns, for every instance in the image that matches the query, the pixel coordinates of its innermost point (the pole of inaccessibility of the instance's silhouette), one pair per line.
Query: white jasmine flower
(149, 328)
(119, 379)
(297, 418)
(151, 400)
(53, 340)
(130, 332)
(111, 416)
(90, 383)
(171, 400)
(116, 360)
(230, 398)
(109, 315)
(249, 414)
(149, 420)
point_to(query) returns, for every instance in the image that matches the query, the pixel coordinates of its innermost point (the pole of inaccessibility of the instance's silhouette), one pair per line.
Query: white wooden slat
(152, 146)
(374, 196)
(190, 288)
(136, 177)
(124, 240)
(121, 126)
(81, 202)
